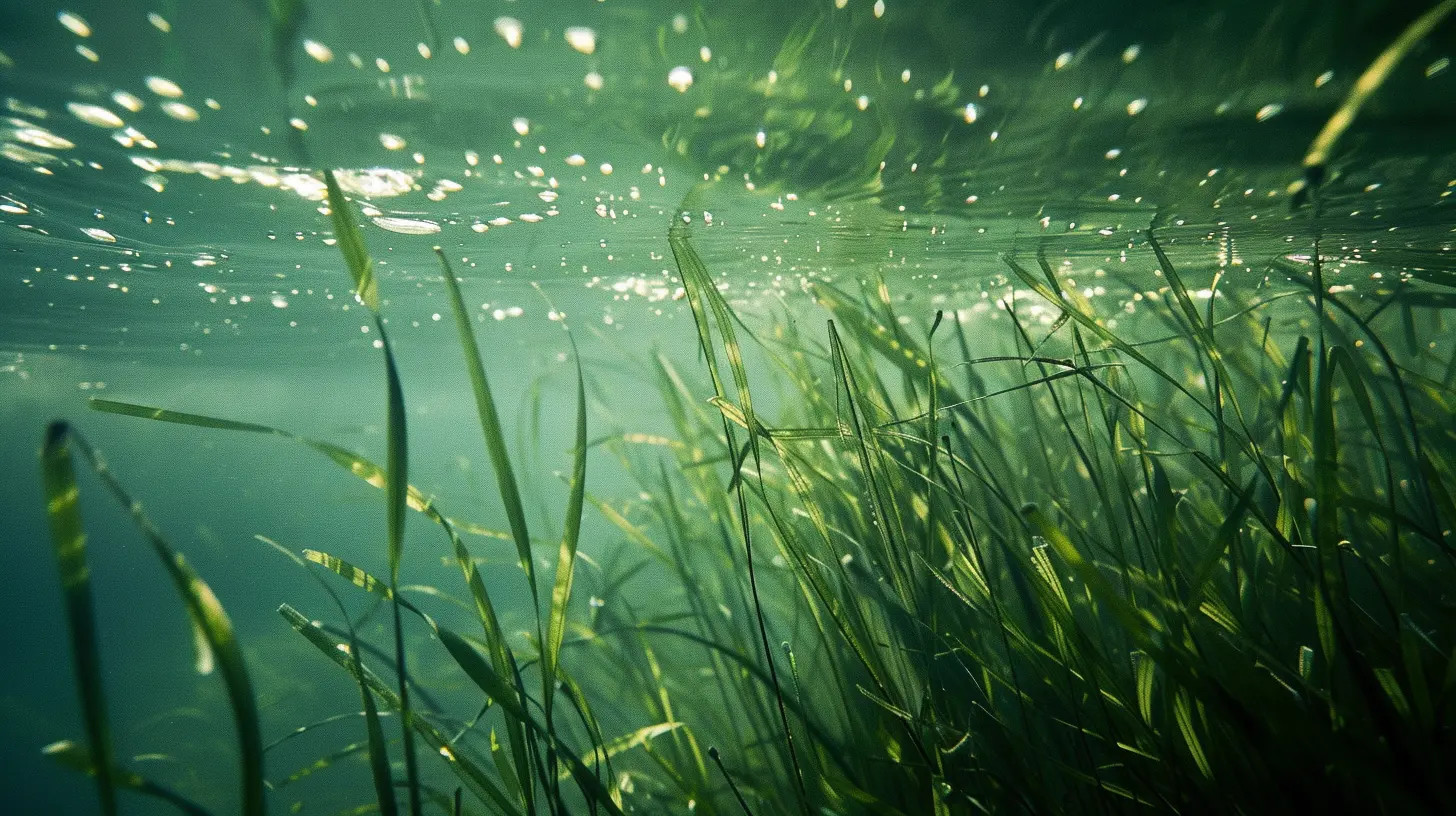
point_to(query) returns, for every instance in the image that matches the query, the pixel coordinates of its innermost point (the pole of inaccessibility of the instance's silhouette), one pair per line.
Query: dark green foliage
(1021, 565)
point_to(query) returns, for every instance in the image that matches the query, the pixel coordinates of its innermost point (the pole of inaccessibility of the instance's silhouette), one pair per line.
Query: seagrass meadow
(657, 406)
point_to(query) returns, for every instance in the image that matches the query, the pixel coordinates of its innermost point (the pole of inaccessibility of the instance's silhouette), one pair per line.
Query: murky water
(163, 242)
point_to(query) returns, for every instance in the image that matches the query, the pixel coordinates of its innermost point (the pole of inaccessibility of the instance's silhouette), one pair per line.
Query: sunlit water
(164, 242)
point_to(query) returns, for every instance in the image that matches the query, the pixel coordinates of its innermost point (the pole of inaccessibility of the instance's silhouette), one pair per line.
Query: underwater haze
(669, 406)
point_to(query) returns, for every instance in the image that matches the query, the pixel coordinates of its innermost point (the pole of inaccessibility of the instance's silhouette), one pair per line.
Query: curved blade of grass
(77, 758)
(203, 608)
(499, 690)
(701, 291)
(1050, 294)
(322, 763)
(475, 667)
(1183, 713)
(304, 729)
(630, 740)
(378, 752)
(495, 444)
(366, 286)
(566, 559)
(463, 766)
(69, 539)
(1136, 622)
(351, 244)
(1369, 82)
(490, 426)
(397, 488)
(361, 467)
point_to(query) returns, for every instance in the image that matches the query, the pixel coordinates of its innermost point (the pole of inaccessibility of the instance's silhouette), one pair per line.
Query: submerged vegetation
(1014, 564)
(1189, 554)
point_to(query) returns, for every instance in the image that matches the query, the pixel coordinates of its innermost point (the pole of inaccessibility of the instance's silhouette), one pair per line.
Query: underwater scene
(670, 406)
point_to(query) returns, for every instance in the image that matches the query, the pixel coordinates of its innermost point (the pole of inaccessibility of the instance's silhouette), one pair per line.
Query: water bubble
(319, 51)
(74, 23)
(1268, 111)
(126, 100)
(94, 115)
(509, 29)
(406, 226)
(161, 86)
(680, 78)
(180, 111)
(582, 39)
(42, 138)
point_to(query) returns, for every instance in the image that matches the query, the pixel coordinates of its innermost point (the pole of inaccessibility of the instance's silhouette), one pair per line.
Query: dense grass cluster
(1020, 565)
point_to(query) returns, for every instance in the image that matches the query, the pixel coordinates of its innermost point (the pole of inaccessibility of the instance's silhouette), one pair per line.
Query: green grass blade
(1183, 713)
(1369, 82)
(397, 489)
(397, 462)
(203, 608)
(378, 752)
(510, 494)
(479, 783)
(490, 425)
(359, 466)
(500, 690)
(351, 244)
(323, 763)
(626, 742)
(77, 758)
(1088, 322)
(508, 696)
(1137, 624)
(487, 679)
(366, 286)
(701, 291)
(566, 560)
(69, 539)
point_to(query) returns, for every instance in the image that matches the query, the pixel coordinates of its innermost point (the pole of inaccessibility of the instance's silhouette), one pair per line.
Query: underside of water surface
(668, 406)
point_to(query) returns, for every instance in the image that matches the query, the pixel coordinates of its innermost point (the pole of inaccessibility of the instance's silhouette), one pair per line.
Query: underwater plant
(1190, 553)
(1211, 575)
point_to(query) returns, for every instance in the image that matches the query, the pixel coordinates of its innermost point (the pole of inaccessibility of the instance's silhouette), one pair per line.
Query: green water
(165, 243)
